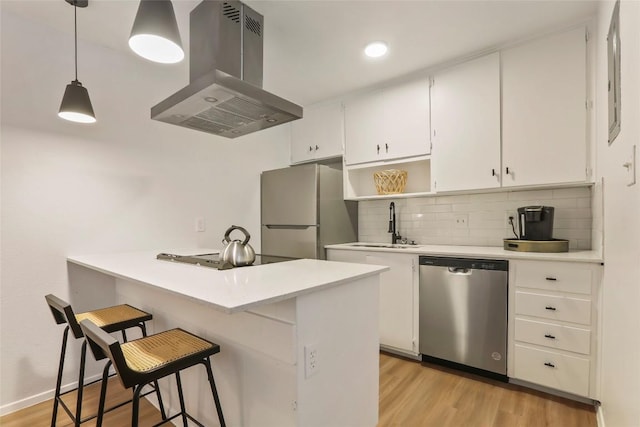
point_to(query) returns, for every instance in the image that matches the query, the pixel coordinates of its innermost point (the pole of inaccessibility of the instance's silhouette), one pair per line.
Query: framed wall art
(613, 53)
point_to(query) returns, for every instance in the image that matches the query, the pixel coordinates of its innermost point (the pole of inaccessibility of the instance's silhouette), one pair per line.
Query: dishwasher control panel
(475, 264)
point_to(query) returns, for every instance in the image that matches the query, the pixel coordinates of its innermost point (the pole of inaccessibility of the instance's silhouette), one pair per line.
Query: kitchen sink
(383, 245)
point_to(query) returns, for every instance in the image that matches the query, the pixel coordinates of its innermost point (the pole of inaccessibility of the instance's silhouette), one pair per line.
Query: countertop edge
(302, 292)
(490, 252)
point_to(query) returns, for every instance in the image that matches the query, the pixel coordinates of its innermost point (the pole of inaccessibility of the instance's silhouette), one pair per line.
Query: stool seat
(115, 318)
(157, 351)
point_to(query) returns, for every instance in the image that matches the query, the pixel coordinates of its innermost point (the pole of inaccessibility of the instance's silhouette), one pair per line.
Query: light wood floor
(411, 394)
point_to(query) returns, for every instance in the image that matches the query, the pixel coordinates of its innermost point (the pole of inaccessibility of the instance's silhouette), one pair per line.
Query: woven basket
(390, 181)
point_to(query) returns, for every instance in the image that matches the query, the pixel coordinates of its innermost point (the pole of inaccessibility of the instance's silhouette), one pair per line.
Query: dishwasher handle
(460, 271)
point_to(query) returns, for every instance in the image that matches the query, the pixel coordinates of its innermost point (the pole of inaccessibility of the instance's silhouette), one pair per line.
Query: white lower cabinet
(398, 297)
(553, 369)
(553, 324)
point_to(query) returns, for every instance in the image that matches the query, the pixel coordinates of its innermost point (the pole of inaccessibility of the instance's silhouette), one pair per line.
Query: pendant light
(155, 35)
(76, 105)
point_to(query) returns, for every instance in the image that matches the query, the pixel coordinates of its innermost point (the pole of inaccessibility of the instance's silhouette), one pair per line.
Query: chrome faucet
(395, 237)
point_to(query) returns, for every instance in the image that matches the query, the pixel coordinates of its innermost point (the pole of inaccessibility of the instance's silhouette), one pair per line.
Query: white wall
(125, 183)
(620, 373)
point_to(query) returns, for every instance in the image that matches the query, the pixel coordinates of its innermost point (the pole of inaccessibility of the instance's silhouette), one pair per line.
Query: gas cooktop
(213, 260)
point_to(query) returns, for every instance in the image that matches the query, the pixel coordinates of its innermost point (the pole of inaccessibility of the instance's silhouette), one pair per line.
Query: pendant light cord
(75, 35)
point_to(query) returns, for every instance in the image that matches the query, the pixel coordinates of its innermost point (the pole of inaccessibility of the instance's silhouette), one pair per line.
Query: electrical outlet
(310, 360)
(461, 220)
(511, 214)
(200, 224)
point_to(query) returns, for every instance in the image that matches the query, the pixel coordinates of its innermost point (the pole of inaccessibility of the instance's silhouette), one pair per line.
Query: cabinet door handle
(317, 148)
(551, 337)
(551, 365)
(310, 148)
(551, 279)
(378, 148)
(386, 147)
(550, 308)
(493, 172)
(507, 170)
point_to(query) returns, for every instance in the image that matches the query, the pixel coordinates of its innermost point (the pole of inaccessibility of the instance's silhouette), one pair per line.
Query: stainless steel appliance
(237, 252)
(225, 95)
(213, 260)
(463, 314)
(302, 210)
(536, 222)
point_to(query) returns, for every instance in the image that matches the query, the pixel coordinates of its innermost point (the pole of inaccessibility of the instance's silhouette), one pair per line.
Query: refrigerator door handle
(288, 227)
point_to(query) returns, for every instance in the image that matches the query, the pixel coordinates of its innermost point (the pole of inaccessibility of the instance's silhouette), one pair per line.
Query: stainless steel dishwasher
(463, 314)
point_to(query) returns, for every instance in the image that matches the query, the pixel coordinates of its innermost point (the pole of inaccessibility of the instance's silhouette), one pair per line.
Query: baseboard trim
(41, 397)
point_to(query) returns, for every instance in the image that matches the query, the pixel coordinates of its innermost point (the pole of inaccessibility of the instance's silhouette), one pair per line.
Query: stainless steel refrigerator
(302, 210)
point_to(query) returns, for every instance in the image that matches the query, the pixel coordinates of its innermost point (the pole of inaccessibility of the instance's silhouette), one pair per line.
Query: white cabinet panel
(319, 134)
(576, 310)
(396, 300)
(555, 276)
(387, 124)
(554, 335)
(555, 370)
(544, 112)
(465, 122)
(398, 297)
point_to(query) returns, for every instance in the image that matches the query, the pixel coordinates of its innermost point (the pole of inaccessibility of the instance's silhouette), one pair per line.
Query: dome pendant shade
(155, 35)
(76, 105)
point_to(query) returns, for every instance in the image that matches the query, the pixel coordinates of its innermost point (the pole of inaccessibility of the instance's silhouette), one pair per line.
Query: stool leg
(136, 404)
(162, 411)
(63, 351)
(181, 397)
(83, 358)
(103, 393)
(214, 391)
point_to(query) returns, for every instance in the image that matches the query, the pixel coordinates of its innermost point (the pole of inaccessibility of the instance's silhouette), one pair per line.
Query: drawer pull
(550, 308)
(551, 337)
(551, 365)
(552, 279)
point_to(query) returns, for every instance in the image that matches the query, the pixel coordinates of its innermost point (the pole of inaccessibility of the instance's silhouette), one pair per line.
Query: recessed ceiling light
(375, 49)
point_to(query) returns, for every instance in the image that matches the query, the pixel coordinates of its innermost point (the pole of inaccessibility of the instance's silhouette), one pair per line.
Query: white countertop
(234, 290)
(492, 252)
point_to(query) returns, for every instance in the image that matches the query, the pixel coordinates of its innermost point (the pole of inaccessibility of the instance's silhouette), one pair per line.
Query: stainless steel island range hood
(225, 95)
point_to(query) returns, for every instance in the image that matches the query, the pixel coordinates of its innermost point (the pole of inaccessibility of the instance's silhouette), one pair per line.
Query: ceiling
(313, 49)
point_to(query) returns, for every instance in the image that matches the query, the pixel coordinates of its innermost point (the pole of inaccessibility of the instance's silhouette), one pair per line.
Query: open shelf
(359, 184)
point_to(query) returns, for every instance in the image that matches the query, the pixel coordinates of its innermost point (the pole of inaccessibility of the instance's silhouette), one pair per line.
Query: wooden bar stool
(111, 319)
(145, 360)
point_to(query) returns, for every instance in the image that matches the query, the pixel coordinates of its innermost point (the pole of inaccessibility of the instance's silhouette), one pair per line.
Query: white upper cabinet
(391, 123)
(465, 123)
(544, 111)
(319, 134)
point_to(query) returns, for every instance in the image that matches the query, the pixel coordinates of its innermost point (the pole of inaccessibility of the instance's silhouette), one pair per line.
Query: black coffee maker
(535, 222)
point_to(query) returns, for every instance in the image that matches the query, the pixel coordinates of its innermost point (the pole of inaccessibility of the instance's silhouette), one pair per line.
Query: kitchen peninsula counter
(268, 320)
(233, 290)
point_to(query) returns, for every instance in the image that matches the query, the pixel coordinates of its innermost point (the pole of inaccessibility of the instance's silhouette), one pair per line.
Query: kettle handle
(237, 227)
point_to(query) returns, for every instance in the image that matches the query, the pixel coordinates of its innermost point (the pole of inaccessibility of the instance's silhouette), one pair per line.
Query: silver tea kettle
(237, 253)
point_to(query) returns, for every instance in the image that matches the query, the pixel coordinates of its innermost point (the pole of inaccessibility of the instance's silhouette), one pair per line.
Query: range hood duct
(225, 95)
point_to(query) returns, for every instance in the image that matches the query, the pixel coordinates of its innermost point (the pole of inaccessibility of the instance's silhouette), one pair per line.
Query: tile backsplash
(476, 219)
